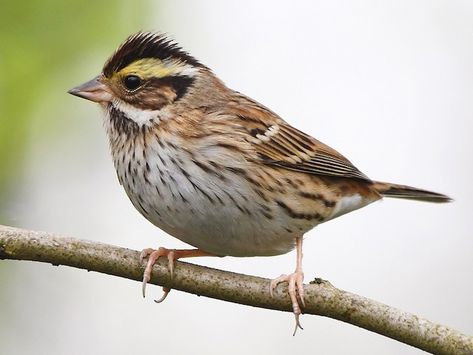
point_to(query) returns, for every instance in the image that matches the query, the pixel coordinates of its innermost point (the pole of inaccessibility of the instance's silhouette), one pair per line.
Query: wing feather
(279, 144)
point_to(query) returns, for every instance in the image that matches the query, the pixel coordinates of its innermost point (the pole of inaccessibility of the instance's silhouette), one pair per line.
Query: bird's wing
(279, 144)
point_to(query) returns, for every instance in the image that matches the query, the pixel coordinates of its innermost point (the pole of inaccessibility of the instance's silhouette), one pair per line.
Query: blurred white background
(388, 84)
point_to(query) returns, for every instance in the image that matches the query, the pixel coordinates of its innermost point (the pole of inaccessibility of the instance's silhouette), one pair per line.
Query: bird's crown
(149, 52)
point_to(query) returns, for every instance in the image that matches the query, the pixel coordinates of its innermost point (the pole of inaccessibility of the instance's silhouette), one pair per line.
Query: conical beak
(94, 90)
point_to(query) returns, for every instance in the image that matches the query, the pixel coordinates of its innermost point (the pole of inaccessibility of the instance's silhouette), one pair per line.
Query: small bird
(216, 169)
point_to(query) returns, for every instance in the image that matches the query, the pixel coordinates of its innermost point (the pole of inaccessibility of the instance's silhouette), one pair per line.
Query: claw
(143, 286)
(171, 258)
(298, 324)
(163, 297)
(152, 256)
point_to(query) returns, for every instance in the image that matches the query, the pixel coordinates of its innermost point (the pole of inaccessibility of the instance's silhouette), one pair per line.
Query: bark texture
(321, 297)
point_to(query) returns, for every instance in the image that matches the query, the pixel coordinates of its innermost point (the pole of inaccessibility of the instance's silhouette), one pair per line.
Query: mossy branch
(321, 297)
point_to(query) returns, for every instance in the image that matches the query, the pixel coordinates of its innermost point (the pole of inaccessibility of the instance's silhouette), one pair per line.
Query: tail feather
(408, 192)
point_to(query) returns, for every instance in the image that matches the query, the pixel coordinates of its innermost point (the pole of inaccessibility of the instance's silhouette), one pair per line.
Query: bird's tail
(408, 192)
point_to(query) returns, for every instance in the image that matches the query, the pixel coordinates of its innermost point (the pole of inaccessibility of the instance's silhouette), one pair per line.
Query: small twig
(321, 297)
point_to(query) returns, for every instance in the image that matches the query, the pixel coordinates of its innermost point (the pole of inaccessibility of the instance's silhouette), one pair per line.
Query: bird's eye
(132, 82)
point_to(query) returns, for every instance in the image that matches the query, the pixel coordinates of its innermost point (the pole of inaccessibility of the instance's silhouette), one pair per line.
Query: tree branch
(321, 297)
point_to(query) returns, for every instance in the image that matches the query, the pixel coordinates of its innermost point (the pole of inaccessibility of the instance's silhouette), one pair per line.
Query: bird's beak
(94, 90)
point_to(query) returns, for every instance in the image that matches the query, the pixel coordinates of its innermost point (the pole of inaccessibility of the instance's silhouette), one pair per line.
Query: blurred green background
(40, 40)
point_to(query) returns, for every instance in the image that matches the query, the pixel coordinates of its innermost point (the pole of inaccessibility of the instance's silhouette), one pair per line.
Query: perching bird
(216, 169)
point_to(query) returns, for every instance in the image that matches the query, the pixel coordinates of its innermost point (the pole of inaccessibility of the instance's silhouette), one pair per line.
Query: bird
(216, 169)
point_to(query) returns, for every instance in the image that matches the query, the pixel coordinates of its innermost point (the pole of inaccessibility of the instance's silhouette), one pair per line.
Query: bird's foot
(296, 292)
(172, 255)
(152, 255)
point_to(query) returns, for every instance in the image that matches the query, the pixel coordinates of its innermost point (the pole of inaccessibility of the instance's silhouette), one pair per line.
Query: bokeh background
(389, 84)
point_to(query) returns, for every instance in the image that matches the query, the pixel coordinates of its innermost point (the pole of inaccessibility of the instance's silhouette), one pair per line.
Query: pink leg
(172, 255)
(296, 285)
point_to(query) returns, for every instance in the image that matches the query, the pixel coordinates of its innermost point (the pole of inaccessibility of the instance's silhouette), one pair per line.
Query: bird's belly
(223, 231)
(215, 225)
(220, 214)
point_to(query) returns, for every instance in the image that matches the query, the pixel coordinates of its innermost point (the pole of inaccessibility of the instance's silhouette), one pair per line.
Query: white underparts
(347, 204)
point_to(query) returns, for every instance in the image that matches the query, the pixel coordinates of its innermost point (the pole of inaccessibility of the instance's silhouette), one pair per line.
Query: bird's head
(145, 74)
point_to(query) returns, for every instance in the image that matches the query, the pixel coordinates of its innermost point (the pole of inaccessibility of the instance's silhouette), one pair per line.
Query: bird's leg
(172, 255)
(296, 285)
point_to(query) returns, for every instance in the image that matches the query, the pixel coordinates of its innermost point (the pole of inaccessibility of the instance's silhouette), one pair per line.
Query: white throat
(138, 115)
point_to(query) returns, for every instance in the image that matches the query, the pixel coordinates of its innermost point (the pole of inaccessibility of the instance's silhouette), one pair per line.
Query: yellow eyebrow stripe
(152, 67)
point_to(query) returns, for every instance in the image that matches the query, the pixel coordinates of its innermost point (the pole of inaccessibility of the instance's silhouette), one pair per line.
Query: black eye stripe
(132, 82)
(179, 83)
(154, 93)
